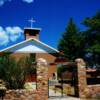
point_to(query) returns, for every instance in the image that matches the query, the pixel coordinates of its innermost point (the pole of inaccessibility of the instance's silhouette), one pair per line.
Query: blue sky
(50, 15)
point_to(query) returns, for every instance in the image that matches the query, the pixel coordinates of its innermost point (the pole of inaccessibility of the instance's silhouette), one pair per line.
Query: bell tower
(31, 32)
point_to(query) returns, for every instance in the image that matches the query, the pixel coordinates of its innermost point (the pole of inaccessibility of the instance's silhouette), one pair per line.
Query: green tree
(72, 43)
(93, 37)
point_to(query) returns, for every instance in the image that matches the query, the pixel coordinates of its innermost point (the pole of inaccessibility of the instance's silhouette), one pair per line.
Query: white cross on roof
(31, 21)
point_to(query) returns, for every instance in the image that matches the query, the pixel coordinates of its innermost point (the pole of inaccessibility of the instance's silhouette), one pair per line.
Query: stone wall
(92, 91)
(86, 91)
(41, 93)
(42, 77)
(24, 95)
(82, 84)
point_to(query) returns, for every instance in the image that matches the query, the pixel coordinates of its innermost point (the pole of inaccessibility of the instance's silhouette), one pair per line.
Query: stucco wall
(52, 68)
(50, 59)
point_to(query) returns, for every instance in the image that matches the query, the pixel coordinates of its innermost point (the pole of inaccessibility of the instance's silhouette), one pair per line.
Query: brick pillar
(42, 79)
(82, 83)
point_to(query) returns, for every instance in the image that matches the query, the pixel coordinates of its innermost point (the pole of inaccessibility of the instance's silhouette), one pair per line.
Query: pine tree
(93, 37)
(70, 42)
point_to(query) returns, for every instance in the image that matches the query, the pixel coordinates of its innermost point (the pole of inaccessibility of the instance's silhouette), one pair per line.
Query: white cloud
(9, 34)
(28, 1)
(14, 33)
(3, 37)
(2, 2)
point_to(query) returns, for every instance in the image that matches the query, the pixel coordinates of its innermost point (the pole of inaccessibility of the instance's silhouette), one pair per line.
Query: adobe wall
(50, 59)
(52, 68)
(18, 56)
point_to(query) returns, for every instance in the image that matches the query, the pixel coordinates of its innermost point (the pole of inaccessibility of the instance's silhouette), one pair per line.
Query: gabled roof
(31, 45)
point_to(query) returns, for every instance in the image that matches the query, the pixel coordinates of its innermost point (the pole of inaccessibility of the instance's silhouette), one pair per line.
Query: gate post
(81, 71)
(42, 78)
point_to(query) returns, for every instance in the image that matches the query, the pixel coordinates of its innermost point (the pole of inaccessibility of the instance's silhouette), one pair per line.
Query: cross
(31, 21)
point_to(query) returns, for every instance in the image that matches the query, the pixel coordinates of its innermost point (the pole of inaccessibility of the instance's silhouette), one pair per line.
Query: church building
(33, 45)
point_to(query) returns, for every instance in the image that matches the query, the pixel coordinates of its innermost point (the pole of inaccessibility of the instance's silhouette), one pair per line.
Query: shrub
(14, 72)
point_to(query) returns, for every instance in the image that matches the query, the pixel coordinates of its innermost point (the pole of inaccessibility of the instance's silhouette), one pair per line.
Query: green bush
(14, 72)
